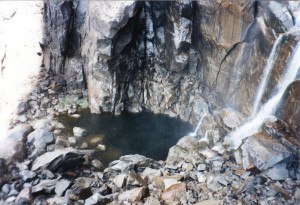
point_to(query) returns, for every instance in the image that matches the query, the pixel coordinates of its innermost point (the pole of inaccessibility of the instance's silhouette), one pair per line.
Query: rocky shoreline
(43, 168)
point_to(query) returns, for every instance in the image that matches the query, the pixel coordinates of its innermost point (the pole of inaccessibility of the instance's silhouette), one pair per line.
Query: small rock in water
(79, 132)
(101, 147)
(75, 115)
(72, 140)
(97, 164)
(84, 145)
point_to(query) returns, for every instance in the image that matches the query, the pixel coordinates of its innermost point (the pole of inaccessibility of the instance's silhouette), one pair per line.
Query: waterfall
(198, 126)
(266, 74)
(235, 138)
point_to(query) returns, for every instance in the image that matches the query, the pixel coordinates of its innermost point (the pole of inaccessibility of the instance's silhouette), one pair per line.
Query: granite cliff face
(180, 57)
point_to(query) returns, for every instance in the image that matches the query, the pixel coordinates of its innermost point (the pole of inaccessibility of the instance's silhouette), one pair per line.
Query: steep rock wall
(179, 57)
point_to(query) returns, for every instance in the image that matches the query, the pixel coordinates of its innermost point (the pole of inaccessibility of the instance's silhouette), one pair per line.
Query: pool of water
(142, 133)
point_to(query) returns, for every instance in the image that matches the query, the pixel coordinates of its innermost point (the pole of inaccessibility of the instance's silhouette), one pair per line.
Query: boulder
(263, 151)
(62, 159)
(79, 132)
(128, 162)
(47, 186)
(38, 141)
(186, 150)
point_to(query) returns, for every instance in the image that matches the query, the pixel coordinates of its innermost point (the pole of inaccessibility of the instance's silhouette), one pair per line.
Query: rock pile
(43, 168)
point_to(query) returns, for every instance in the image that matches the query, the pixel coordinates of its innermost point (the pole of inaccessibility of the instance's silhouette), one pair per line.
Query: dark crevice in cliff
(223, 60)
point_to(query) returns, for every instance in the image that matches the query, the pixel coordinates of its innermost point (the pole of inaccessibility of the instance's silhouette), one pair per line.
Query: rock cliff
(177, 57)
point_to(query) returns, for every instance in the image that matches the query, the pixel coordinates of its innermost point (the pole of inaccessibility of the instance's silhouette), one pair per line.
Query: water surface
(142, 133)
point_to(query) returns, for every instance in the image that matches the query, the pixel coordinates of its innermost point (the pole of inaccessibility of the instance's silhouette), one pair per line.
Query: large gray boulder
(186, 150)
(264, 152)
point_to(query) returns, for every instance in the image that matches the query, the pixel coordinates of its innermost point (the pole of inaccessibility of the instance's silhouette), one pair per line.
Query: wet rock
(231, 118)
(64, 159)
(79, 132)
(263, 151)
(61, 187)
(282, 18)
(133, 195)
(186, 150)
(174, 193)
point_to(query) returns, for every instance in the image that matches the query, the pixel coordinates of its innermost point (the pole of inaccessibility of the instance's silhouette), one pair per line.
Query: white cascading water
(234, 139)
(266, 74)
(198, 126)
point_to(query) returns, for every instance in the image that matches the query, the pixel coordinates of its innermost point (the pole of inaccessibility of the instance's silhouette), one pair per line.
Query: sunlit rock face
(181, 58)
(290, 106)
